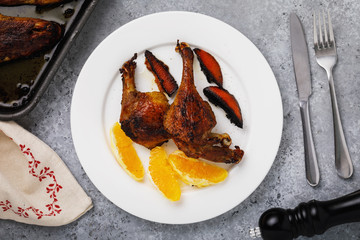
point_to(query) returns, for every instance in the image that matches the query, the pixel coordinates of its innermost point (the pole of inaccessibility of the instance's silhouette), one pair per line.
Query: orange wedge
(162, 175)
(196, 172)
(125, 153)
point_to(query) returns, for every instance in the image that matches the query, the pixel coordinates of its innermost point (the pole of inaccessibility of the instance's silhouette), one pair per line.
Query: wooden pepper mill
(307, 219)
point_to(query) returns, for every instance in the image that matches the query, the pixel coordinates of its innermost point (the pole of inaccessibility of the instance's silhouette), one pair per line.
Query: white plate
(247, 75)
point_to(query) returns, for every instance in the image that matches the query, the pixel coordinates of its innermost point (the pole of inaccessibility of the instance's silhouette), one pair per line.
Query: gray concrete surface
(266, 24)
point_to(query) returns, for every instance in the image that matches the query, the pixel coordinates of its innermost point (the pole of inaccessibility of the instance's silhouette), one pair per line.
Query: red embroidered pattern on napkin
(52, 189)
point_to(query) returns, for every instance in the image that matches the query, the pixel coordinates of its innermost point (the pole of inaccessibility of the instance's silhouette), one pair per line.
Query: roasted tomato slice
(163, 78)
(221, 97)
(209, 66)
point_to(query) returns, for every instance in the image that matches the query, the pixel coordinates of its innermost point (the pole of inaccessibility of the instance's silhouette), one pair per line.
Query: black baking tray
(73, 25)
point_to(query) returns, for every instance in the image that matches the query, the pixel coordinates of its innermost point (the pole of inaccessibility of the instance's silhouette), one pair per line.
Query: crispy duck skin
(29, 2)
(221, 97)
(209, 66)
(22, 37)
(190, 120)
(164, 80)
(142, 113)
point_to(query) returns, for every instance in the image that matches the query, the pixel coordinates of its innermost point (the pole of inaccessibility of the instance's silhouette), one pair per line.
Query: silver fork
(326, 57)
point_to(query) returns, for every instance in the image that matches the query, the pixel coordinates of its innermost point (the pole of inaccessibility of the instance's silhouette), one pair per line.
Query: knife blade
(300, 58)
(301, 63)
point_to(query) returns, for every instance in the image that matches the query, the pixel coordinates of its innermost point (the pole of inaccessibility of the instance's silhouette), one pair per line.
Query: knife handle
(311, 163)
(309, 219)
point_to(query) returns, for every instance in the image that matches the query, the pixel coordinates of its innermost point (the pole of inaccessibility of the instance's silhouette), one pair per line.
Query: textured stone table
(266, 24)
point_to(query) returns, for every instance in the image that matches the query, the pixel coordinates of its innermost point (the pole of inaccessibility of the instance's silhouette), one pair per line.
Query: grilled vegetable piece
(163, 78)
(221, 97)
(209, 66)
(22, 37)
(29, 2)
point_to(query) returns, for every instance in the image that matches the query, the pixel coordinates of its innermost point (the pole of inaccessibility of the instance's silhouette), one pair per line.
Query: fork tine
(316, 44)
(326, 43)
(321, 45)
(331, 33)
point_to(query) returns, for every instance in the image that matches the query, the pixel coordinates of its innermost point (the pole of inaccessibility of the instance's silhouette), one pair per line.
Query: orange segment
(125, 153)
(195, 172)
(162, 175)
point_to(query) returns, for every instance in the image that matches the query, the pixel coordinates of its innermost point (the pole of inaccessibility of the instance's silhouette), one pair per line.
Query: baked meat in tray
(34, 39)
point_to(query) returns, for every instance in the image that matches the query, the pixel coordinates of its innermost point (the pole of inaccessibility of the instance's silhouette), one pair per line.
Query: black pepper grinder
(307, 219)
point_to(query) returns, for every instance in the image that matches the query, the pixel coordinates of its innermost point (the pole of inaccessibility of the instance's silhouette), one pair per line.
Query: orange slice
(195, 172)
(162, 175)
(125, 153)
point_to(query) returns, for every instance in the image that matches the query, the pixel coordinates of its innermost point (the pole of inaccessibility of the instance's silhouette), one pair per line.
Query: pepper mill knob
(275, 224)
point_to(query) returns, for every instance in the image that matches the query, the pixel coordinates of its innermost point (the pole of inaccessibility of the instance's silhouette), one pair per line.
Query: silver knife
(303, 80)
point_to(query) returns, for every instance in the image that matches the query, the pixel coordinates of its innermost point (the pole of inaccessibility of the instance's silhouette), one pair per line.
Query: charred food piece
(142, 113)
(30, 2)
(190, 120)
(222, 98)
(22, 37)
(163, 78)
(209, 66)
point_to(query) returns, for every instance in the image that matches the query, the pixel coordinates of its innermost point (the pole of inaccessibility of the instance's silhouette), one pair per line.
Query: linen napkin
(36, 187)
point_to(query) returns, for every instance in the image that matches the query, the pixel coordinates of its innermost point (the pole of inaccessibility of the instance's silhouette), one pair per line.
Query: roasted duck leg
(190, 120)
(21, 37)
(30, 2)
(142, 113)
